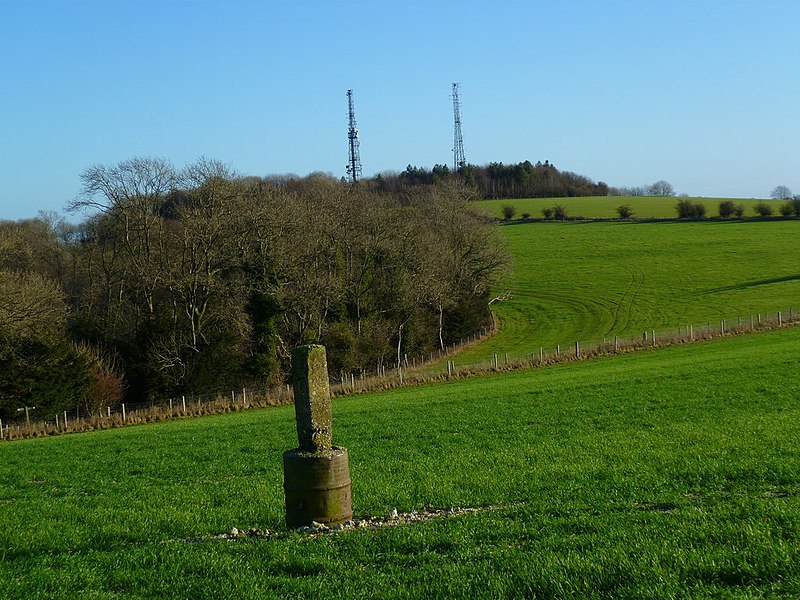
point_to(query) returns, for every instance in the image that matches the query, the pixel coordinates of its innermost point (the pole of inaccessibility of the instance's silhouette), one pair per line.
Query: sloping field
(669, 473)
(605, 207)
(586, 281)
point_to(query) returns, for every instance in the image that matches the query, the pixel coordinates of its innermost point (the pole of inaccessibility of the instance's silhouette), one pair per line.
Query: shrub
(625, 211)
(762, 209)
(560, 212)
(509, 211)
(739, 210)
(786, 209)
(547, 213)
(690, 210)
(794, 204)
(727, 208)
(526, 216)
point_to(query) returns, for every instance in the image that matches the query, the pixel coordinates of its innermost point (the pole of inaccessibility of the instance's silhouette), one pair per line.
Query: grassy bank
(586, 281)
(670, 472)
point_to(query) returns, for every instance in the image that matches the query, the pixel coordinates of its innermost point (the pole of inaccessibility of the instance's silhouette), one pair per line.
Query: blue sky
(704, 93)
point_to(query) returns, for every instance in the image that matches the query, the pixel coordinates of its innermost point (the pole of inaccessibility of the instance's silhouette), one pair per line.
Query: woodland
(170, 281)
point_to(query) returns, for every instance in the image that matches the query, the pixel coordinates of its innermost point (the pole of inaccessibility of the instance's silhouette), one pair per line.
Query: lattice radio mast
(459, 161)
(354, 160)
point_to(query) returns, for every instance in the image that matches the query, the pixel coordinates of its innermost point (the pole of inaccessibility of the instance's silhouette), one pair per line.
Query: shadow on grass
(749, 284)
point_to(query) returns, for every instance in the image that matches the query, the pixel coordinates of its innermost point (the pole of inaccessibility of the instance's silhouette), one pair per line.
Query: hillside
(585, 281)
(671, 472)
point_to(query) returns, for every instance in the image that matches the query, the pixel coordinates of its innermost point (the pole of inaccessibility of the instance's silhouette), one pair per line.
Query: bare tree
(781, 192)
(132, 194)
(661, 188)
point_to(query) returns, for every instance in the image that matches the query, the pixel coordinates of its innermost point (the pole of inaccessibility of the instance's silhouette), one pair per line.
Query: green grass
(605, 207)
(670, 473)
(586, 281)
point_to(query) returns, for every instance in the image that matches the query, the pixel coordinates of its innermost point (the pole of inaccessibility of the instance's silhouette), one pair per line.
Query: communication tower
(354, 160)
(458, 142)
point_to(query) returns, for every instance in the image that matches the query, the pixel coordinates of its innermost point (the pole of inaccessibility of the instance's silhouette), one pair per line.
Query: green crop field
(605, 207)
(585, 281)
(664, 473)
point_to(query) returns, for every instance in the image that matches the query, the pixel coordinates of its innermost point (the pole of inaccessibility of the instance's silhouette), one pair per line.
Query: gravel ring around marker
(315, 530)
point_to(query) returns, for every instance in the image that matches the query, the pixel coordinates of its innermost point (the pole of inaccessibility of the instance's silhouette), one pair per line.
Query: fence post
(691, 333)
(577, 350)
(654, 337)
(108, 410)
(780, 319)
(541, 354)
(616, 344)
(2, 435)
(65, 419)
(722, 327)
(183, 401)
(123, 412)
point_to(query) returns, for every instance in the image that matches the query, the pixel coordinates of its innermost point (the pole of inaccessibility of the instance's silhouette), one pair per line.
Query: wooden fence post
(65, 419)
(577, 350)
(123, 412)
(183, 401)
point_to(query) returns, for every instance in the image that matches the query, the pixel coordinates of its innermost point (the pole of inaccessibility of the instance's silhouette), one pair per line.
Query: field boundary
(405, 375)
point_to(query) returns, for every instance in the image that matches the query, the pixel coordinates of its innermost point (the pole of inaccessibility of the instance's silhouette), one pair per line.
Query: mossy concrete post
(316, 475)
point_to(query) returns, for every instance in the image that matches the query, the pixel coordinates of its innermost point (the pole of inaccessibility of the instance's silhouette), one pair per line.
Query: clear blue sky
(703, 93)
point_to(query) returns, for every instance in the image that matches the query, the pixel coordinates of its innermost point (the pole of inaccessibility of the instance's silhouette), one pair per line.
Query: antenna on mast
(354, 158)
(459, 161)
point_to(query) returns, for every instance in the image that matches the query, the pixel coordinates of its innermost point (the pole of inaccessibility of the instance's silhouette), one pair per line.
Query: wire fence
(410, 371)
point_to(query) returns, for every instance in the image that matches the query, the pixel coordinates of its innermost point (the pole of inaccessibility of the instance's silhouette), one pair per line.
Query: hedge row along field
(605, 207)
(586, 281)
(663, 473)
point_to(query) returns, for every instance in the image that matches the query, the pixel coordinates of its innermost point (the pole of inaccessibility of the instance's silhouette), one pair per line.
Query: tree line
(198, 279)
(497, 180)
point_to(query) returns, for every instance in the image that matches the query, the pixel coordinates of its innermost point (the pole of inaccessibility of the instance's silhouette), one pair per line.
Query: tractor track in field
(624, 307)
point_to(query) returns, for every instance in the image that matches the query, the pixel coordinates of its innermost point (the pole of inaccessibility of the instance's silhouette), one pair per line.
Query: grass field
(605, 207)
(586, 281)
(669, 473)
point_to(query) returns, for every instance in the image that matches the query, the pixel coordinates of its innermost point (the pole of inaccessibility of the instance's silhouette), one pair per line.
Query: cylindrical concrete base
(317, 487)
